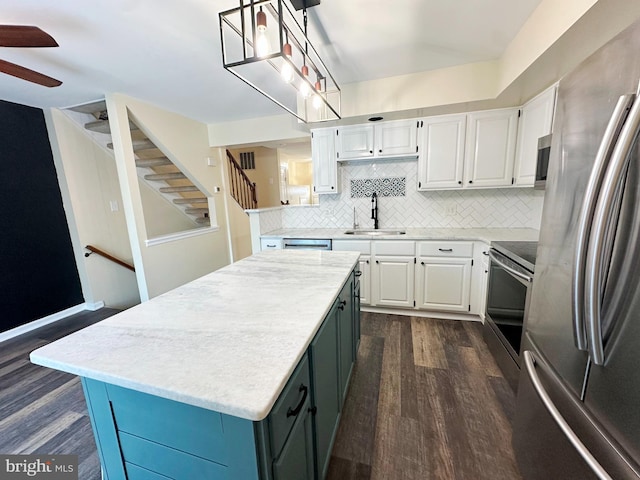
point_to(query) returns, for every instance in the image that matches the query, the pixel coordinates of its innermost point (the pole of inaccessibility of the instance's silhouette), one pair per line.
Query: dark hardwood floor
(426, 401)
(43, 410)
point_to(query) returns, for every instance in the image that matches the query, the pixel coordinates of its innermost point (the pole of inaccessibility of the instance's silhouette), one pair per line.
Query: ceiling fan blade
(28, 75)
(25, 36)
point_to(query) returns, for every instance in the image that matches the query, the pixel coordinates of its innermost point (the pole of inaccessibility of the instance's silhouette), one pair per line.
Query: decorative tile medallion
(384, 187)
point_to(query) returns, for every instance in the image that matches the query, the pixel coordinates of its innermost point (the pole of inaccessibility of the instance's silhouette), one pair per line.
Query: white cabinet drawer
(270, 243)
(393, 247)
(445, 249)
(362, 246)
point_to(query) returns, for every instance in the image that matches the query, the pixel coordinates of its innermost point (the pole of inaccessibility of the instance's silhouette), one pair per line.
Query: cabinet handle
(331, 188)
(470, 181)
(421, 263)
(367, 262)
(342, 304)
(270, 246)
(370, 151)
(446, 249)
(380, 151)
(358, 273)
(485, 253)
(459, 182)
(377, 262)
(292, 413)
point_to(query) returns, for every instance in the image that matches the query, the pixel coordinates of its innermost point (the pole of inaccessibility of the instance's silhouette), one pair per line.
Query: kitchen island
(240, 374)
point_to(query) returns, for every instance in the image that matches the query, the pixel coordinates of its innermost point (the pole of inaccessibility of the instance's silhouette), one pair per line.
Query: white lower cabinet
(364, 247)
(393, 281)
(443, 284)
(365, 279)
(425, 275)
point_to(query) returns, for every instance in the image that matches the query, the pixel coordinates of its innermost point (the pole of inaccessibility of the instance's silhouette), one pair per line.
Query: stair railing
(104, 254)
(243, 190)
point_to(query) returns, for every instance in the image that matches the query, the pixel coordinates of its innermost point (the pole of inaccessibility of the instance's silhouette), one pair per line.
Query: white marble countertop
(486, 235)
(227, 341)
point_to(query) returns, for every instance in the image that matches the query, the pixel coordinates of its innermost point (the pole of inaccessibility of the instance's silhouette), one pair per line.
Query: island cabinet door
(296, 459)
(346, 336)
(325, 388)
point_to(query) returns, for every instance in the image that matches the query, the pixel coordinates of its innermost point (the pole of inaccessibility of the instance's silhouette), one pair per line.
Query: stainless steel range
(511, 268)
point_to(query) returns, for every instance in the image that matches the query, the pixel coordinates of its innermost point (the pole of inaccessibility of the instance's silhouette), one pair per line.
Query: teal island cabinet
(239, 375)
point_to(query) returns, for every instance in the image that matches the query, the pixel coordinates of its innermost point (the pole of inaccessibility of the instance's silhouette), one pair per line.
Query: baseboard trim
(469, 317)
(54, 317)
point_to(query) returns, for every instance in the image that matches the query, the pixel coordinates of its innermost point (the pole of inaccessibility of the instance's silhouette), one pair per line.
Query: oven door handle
(512, 271)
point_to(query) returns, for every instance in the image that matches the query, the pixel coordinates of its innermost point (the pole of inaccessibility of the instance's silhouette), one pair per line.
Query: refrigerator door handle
(586, 215)
(530, 362)
(602, 225)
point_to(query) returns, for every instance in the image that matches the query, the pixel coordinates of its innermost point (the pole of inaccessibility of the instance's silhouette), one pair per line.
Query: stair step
(152, 162)
(165, 176)
(138, 145)
(102, 126)
(196, 210)
(95, 107)
(193, 200)
(203, 220)
(186, 188)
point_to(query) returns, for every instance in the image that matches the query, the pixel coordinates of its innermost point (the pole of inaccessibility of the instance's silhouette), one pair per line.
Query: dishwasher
(307, 243)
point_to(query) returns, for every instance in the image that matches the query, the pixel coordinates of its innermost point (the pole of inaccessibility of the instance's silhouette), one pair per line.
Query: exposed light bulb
(305, 91)
(287, 70)
(263, 46)
(317, 101)
(287, 73)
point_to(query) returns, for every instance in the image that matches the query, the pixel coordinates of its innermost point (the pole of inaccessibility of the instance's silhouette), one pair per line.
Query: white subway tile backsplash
(491, 208)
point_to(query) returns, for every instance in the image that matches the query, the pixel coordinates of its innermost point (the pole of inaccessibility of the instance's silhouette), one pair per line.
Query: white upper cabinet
(441, 152)
(355, 142)
(387, 139)
(536, 121)
(323, 156)
(490, 148)
(396, 138)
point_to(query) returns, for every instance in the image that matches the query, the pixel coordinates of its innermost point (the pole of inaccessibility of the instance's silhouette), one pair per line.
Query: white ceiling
(168, 52)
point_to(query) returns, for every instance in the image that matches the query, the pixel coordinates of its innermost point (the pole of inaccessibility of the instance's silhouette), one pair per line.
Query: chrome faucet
(355, 219)
(374, 209)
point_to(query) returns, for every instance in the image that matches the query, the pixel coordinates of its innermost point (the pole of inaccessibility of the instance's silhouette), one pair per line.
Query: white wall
(166, 218)
(164, 266)
(89, 173)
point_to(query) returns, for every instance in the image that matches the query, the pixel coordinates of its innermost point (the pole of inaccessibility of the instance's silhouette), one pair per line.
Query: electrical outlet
(450, 209)
(114, 205)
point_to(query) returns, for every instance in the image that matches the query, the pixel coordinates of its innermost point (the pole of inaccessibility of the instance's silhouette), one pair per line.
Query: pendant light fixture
(264, 45)
(287, 69)
(262, 40)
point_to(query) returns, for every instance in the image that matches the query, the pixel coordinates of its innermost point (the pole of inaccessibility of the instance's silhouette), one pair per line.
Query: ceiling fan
(26, 36)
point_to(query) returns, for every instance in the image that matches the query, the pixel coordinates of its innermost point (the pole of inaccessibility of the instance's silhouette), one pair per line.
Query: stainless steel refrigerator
(578, 406)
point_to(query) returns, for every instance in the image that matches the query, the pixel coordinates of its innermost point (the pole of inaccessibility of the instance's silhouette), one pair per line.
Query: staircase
(242, 189)
(153, 166)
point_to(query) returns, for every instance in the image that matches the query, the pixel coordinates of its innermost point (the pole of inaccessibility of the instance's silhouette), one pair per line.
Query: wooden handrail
(104, 254)
(242, 189)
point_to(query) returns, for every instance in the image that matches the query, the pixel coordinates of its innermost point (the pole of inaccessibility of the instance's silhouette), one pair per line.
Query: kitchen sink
(375, 232)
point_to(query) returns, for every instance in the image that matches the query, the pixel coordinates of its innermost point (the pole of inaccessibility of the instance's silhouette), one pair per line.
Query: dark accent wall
(38, 272)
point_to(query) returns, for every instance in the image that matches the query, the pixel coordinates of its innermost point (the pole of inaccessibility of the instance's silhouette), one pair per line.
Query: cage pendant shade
(265, 46)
